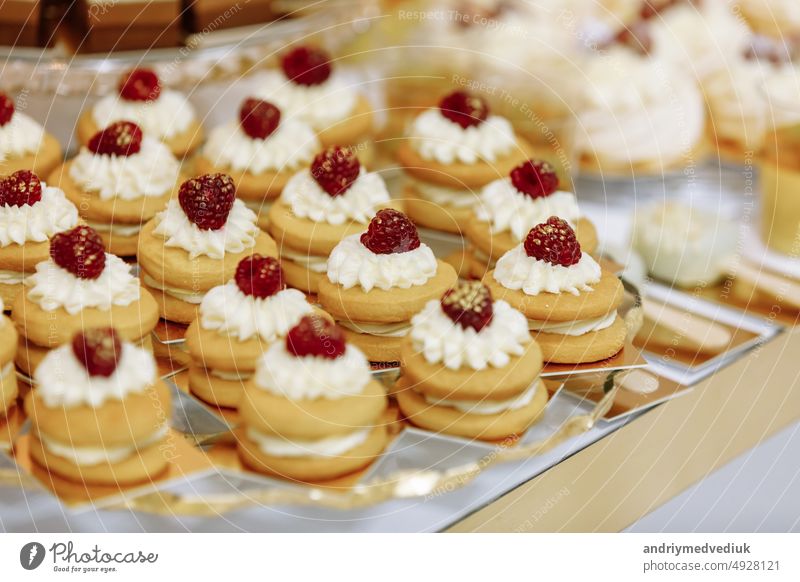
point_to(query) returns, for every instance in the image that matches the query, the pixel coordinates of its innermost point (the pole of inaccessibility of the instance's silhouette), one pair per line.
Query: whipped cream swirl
(574, 328)
(227, 310)
(441, 340)
(516, 270)
(292, 145)
(358, 203)
(52, 287)
(328, 447)
(238, 234)
(62, 381)
(309, 378)
(169, 115)
(437, 138)
(351, 264)
(152, 171)
(508, 210)
(20, 136)
(37, 222)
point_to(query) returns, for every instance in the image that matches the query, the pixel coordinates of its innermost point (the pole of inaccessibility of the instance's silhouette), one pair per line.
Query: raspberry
(335, 169)
(140, 85)
(390, 232)
(98, 349)
(6, 108)
(20, 188)
(535, 178)
(306, 65)
(259, 276)
(553, 241)
(259, 119)
(464, 109)
(469, 304)
(315, 336)
(80, 251)
(208, 200)
(122, 138)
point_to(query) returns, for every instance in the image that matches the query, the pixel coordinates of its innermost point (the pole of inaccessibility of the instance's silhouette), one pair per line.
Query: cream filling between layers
(444, 196)
(230, 376)
(327, 447)
(89, 456)
(488, 406)
(315, 263)
(115, 228)
(400, 329)
(194, 297)
(574, 328)
(8, 277)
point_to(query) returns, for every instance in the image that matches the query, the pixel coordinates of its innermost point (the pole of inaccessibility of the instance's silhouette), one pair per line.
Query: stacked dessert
(79, 287)
(236, 324)
(99, 413)
(8, 377)
(450, 152)
(161, 113)
(377, 280)
(570, 302)
(24, 144)
(31, 213)
(119, 181)
(336, 197)
(470, 367)
(195, 244)
(509, 207)
(312, 411)
(308, 86)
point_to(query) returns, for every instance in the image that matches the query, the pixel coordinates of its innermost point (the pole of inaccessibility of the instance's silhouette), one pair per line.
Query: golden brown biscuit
(42, 162)
(173, 267)
(459, 175)
(377, 348)
(467, 384)
(214, 390)
(589, 347)
(313, 468)
(350, 131)
(263, 186)
(180, 145)
(381, 306)
(271, 414)
(24, 258)
(8, 294)
(8, 379)
(436, 216)
(490, 427)
(605, 297)
(9, 391)
(299, 277)
(171, 308)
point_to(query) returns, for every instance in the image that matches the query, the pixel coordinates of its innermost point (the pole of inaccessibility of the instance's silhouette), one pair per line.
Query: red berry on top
(259, 276)
(80, 251)
(469, 304)
(553, 241)
(20, 188)
(259, 119)
(535, 178)
(140, 85)
(121, 138)
(6, 108)
(335, 169)
(315, 336)
(306, 65)
(98, 349)
(389, 232)
(207, 200)
(463, 108)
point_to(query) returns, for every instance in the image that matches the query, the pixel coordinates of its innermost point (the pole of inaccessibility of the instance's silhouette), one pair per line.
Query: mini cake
(312, 412)
(509, 207)
(8, 349)
(450, 153)
(31, 212)
(260, 152)
(470, 367)
(376, 281)
(308, 87)
(236, 324)
(570, 302)
(24, 144)
(161, 113)
(320, 206)
(196, 243)
(99, 413)
(80, 286)
(119, 181)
